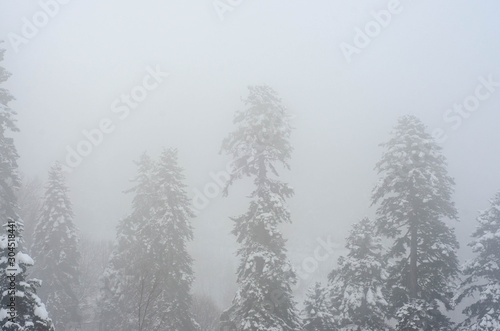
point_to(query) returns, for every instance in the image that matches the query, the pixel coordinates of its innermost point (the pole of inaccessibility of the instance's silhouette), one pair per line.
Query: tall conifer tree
(9, 178)
(55, 250)
(168, 234)
(26, 311)
(259, 147)
(128, 284)
(147, 283)
(414, 197)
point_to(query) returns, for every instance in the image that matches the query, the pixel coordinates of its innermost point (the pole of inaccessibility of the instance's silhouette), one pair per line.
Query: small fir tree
(20, 306)
(357, 286)
(482, 273)
(317, 312)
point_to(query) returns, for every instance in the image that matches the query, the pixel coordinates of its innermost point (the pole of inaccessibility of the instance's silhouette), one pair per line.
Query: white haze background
(428, 58)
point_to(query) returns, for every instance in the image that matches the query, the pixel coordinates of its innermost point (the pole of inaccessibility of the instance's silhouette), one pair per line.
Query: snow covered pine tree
(30, 311)
(55, 250)
(414, 193)
(124, 280)
(483, 273)
(148, 280)
(317, 312)
(357, 286)
(260, 144)
(168, 233)
(9, 180)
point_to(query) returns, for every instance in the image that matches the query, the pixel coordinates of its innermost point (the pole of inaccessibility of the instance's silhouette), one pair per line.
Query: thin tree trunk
(413, 263)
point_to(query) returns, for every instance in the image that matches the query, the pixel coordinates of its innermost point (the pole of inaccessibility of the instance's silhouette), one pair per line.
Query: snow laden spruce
(482, 273)
(9, 179)
(147, 283)
(30, 312)
(357, 286)
(259, 146)
(318, 312)
(55, 249)
(414, 199)
(404, 286)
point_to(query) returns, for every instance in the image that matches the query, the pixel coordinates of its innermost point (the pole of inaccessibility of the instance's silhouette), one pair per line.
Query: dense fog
(98, 84)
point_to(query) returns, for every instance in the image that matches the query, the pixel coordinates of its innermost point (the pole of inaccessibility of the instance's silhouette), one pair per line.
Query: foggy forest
(231, 165)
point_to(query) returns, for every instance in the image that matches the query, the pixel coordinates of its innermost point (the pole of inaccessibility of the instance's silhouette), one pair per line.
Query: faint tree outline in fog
(39, 20)
(122, 106)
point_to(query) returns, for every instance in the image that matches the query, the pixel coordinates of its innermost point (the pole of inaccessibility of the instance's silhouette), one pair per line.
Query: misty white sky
(428, 58)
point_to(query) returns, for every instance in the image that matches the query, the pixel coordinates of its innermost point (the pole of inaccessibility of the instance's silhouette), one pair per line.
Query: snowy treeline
(143, 280)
